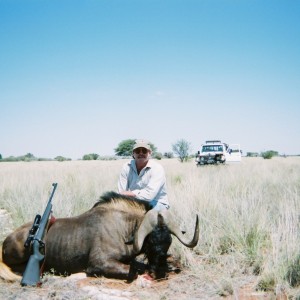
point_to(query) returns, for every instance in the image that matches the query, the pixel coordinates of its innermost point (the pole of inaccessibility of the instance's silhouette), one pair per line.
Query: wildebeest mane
(116, 200)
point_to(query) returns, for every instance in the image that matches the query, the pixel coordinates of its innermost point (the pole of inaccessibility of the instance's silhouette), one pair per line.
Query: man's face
(141, 154)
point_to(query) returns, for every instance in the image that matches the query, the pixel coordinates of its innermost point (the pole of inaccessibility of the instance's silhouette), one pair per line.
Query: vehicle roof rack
(213, 142)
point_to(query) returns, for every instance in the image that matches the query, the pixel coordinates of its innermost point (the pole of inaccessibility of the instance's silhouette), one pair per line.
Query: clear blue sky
(78, 77)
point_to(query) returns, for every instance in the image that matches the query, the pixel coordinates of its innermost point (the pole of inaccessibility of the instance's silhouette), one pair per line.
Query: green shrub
(293, 273)
(91, 156)
(269, 154)
(158, 155)
(168, 155)
(226, 245)
(225, 289)
(61, 158)
(266, 283)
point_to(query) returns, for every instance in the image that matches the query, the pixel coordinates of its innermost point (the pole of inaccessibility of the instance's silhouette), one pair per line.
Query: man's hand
(128, 193)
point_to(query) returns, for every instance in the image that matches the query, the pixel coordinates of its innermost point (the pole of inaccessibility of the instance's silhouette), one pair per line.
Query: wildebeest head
(154, 239)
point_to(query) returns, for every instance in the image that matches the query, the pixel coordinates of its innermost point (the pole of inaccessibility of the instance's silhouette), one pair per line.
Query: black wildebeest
(105, 240)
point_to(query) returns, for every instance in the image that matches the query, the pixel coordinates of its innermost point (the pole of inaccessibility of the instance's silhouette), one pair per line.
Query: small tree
(125, 148)
(28, 157)
(0, 156)
(182, 149)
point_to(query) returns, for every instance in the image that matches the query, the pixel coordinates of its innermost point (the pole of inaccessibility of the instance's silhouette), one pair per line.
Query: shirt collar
(148, 166)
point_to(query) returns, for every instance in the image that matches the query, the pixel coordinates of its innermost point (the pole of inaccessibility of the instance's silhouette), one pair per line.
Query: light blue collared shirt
(149, 185)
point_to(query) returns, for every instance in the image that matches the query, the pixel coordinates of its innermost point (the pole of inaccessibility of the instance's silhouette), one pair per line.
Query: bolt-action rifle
(35, 243)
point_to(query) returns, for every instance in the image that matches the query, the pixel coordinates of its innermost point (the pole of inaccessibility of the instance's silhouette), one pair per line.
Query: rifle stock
(31, 276)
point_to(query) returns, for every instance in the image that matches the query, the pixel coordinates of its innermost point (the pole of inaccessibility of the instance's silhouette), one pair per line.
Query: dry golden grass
(249, 212)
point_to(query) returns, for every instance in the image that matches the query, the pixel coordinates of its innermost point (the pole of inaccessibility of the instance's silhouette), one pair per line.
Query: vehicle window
(212, 148)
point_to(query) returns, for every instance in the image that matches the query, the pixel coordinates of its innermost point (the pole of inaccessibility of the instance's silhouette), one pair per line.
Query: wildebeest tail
(5, 272)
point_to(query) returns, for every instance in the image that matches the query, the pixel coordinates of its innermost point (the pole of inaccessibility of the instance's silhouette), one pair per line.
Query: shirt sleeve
(123, 179)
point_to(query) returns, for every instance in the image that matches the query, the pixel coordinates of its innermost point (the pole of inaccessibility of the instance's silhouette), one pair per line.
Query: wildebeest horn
(147, 225)
(152, 218)
(175, 230)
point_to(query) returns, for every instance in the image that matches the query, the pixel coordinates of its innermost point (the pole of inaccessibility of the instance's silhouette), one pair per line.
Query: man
(144, 178)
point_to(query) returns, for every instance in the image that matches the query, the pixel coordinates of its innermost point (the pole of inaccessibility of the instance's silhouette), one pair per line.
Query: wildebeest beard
(157, 246)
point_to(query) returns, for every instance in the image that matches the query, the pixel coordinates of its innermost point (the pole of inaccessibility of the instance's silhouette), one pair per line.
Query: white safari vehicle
(217, 152)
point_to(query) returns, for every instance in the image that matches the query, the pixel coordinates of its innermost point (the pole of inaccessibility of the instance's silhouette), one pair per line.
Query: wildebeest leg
(136, 268)
(109, 268)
